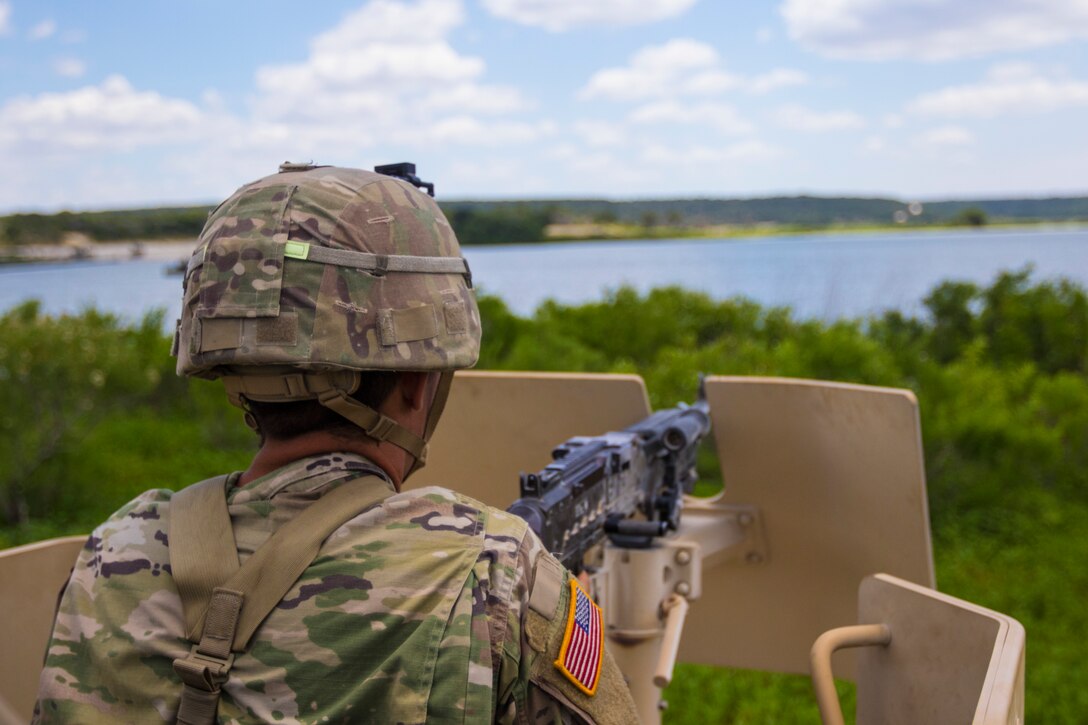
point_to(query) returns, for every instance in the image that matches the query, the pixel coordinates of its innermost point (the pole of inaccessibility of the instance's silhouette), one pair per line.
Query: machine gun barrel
(627, 485)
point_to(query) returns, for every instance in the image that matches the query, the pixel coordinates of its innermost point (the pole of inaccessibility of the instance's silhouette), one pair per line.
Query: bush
(64, 382)
(91, 414)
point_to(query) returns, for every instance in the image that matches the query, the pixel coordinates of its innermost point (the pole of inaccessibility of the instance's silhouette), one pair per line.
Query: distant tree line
(503, 222)
(795, 210)
(104, 225)
(474, 224)
(970, 216)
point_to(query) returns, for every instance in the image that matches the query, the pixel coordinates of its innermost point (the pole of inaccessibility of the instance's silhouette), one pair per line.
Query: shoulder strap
(233, 608)
(272, 570)
(203, 554)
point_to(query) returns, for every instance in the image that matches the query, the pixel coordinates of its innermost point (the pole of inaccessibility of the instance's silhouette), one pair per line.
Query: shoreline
(626, 233)
(153, 250)
(171, 250)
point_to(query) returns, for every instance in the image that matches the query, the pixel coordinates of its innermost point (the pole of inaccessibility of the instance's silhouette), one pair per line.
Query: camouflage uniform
(414, 611)
(426, 607)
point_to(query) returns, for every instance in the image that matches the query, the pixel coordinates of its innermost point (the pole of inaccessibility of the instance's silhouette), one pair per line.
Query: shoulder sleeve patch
(548, 579)
(596, 692)
(582, 651)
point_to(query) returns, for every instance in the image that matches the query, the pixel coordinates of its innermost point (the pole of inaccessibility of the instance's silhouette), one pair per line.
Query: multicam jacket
(416, 610)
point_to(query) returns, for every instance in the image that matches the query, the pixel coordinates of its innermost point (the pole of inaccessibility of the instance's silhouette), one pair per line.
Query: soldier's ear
(413, 389)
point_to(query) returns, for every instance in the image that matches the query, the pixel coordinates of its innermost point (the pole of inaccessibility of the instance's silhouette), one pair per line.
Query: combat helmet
(303, 279)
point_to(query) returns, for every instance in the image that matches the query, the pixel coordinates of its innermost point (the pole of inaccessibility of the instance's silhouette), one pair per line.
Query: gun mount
(825, 486)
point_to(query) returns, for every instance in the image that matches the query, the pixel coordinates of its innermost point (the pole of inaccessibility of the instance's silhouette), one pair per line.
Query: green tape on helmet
(296, 250)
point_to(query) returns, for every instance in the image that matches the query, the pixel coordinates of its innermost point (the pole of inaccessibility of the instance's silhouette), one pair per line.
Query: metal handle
(863, 635)
(676, 609)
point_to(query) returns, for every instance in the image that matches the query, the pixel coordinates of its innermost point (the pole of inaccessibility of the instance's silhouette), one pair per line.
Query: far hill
(484, 222)
(790, 210)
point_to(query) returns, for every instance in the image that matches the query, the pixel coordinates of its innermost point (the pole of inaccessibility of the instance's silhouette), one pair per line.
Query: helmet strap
(441, 395)
(333, 390)
(380, 427)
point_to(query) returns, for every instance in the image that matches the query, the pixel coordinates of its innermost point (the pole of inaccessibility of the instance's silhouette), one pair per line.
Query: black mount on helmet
(407, 171)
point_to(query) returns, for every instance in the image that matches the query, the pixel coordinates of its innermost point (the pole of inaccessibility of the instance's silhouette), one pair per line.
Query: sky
(113, 105)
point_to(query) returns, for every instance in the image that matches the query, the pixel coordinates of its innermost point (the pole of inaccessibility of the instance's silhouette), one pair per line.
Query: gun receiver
(627, 485)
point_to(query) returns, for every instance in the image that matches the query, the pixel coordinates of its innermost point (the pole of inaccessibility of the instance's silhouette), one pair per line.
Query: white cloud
(1012, 88)
(376, 63)
(800, 118)
(390, 21)
(43, 30)
(603, 165)
(112, 115)
(720, 116)
(473, 132)
(945, 137)
(559, 15)
(5, 17)
(488, 174)
(384, 78)
(600, 134)
(893, 120)
(69, 67)
(873, 144)
(678, 54)
(648, 164)
(386, 74)
(778, 78)
(745, 151)
(481, 99)
(933, 30)
(709, 83)
(382, 46)
(681, 66)
(213, 99)
(656, 70)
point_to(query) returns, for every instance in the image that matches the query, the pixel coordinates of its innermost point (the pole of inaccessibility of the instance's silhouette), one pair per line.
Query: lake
(825, 276)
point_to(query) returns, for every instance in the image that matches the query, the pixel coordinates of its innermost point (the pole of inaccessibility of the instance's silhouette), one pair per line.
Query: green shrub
(91, 414)
(58, 378)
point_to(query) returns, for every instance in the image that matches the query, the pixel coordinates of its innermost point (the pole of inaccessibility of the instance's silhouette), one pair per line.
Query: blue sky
(109, 104)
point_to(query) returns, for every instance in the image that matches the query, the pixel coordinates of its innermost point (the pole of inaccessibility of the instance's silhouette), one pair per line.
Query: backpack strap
(226, 612)
(203, 554)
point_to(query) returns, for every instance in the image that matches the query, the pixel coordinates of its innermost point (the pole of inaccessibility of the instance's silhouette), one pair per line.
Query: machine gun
(627, 485)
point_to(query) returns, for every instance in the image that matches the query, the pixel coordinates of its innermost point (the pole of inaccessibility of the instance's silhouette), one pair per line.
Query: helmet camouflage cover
(305, 278)
(326, 269)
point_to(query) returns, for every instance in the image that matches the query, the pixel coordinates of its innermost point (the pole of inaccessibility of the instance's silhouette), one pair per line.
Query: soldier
(334, 305)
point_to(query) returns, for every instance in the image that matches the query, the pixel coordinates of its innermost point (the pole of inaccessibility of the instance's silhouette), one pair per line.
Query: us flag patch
(583, 644)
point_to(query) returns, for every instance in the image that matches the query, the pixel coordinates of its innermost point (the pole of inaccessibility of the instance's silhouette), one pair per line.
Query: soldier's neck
(275, 454)
(408, 405)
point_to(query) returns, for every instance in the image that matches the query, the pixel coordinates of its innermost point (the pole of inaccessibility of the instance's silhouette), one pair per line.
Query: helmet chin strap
(438, 405)
(380, 427)
(333, 390)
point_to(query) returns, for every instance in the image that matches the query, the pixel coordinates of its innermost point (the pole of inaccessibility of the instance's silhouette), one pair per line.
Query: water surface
(824, 276)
